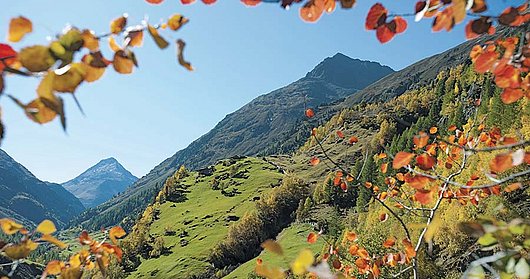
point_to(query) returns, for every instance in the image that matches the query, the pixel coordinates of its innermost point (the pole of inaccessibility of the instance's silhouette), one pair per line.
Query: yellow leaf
(46, 227)
(54, 267)
(9, 226)
(36, 58)
(160, 42)
(113, 45)
(117, 25)
(20, 250)
(18, 27)
(272, 246)
(45, 88)
(71, 79)
(176, 21)
(304, 260)
(54, 241)
(116, 232)
(269, 272)
(75, 260)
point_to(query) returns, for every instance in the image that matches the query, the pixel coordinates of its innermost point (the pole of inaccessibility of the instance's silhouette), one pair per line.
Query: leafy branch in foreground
(96, 254)
(58, 69)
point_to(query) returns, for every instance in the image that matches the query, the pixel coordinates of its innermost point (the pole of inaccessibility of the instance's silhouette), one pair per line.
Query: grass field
(292, 239)
(203, 219)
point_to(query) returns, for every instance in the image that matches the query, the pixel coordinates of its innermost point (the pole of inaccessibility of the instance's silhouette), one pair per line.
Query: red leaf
(314, 161)
(425, 161)
(401, 24)
(424, 196)
(353, 140)
(340, 134)
(187, 2)
(312, 237)
(384, 34)
(209, 2)
(8, 54)
(507, 77)
(376, 16)
(309, 113)
(402, 159)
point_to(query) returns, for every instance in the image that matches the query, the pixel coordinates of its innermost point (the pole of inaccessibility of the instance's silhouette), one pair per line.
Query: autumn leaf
(402, 159)
(69, 80)
(251, 3)
(304, 260)
(9, 226)
(347, 4)
(135, 38)
(46, 227)
(36, 110)
(376, 16)
(424, 196)
(420, 140)
(425, 161)
(433, 130)
(36, 58)
(309, 113)
(118, 24)
(272, 246)
(89, 40)
(20, 250)
(180, 55)
(501, 162)
(353, 140)
(8, 56)
(389, 242)
(351, 236)
(340, 134)
(314, 161)
(312, 10)
(444, 20)
(312, 237)
(54, 241)
(115, 233)
(176, 21)
(154, 1)
(54, 267)
(383, 217)
(513, 187)
(269, 272)
(18, 27)
(123, 62)
(409, 249)
(384, 167)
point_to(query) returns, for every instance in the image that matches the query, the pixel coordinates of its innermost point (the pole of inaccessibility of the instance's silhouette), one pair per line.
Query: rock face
(262, 127)
(100, 182)
(30, 200)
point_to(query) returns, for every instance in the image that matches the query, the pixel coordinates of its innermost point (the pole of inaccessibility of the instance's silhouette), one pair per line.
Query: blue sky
(238, 52)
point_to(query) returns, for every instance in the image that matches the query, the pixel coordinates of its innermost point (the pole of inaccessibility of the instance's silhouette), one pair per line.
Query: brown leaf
(160, 42)
(18, 27)
(71, 79)
(36, 58)
(181, 44)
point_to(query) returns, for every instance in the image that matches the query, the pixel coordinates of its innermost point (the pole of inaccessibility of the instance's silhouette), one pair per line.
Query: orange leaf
(353, 140)
(312, 10)
(444, 20)
(340, 134)
(420, 140)
(513, 187)
(409, 249)
(309, 113)
(511, 95)
(116, 232)
(312, 237)
(501, 163)
(507, 77)
(485, 61)
(118, 25)
(402, 159)
(384, 167)
(314, 161)
(250, 2)
(351, 236)
(18, 27)
(389, 242)
(54, 267)
(154, 1)
(433, 130)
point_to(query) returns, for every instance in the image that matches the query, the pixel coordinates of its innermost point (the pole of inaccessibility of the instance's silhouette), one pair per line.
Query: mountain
(100, 182)
(30, 200)
(263, 126)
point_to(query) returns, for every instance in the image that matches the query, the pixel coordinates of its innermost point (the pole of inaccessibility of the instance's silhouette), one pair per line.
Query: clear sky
(238, 52)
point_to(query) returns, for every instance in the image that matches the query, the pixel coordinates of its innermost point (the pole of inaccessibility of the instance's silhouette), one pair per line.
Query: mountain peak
(100, 182)
(348, 72)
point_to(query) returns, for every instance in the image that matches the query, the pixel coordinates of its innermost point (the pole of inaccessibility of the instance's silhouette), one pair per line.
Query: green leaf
(487, 240)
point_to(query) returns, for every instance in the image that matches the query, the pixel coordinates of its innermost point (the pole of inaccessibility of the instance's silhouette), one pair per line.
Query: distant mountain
(263, 126)
(30, 200)
(100, 182)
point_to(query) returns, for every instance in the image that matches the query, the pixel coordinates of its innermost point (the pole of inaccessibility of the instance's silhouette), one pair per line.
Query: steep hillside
(264, 126)
(193, 213)
(29, 200)
(100, 182)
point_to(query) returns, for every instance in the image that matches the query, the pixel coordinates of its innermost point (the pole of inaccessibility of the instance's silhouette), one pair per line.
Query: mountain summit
(347, 72)
(262, 127)
(100, 182)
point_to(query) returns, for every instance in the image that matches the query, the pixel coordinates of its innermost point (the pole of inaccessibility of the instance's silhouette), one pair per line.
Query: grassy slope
(203, 231)
(292, 239)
